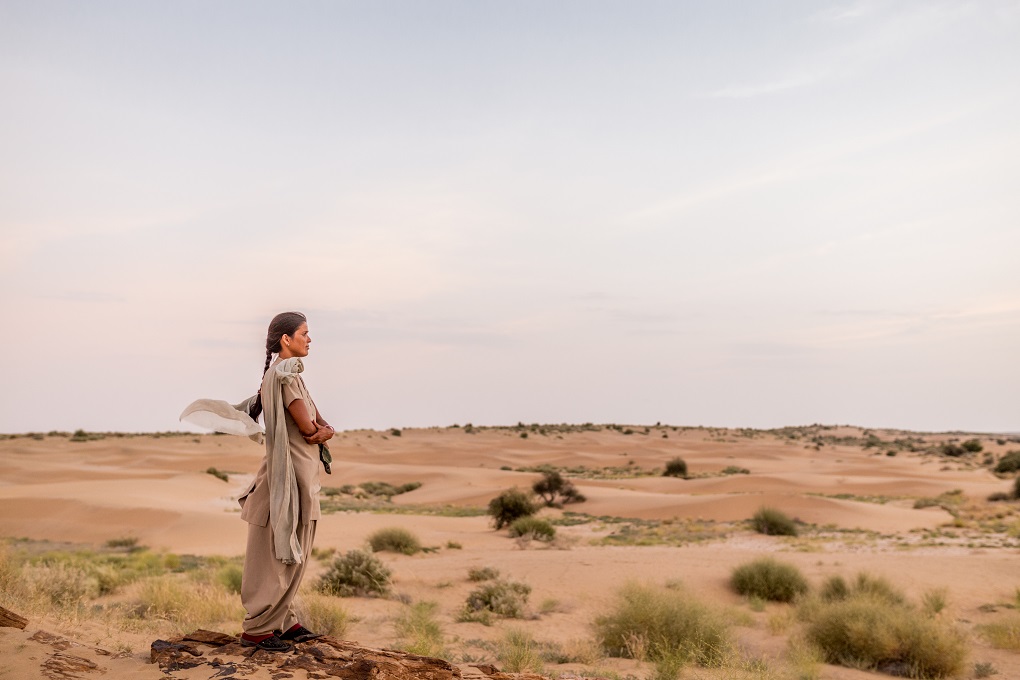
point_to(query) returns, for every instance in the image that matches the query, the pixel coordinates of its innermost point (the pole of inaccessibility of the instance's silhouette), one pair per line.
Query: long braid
(256, 408)
(282, 324)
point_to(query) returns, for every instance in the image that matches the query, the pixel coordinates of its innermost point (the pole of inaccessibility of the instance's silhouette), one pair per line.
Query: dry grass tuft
(664, 625)
(418, 631)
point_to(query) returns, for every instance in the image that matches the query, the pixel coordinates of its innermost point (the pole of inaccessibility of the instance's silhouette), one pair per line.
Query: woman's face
(297, 344)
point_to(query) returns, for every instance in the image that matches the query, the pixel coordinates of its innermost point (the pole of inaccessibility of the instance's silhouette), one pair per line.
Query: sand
(156, 490)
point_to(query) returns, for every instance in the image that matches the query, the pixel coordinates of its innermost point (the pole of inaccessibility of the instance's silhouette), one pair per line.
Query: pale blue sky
(744, 214)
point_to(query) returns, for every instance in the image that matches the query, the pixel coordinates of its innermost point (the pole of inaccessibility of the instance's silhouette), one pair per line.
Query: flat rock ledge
(325, 657)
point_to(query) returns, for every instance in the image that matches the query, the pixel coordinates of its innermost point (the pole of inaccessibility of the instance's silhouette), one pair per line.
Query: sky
(721, 214)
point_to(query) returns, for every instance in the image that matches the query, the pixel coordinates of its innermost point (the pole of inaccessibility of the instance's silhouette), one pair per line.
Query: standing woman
(281, 506)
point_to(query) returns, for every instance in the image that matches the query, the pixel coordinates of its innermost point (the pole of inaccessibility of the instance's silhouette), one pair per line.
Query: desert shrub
(229, 577)
(394, 539)
(1008, 463)
(12, 584)
(64, 585)
(383, 488)
(482, 574)
(218, 474)
(556, 491)
(499, 597)
(835, 588)
(1001, 496)
(128, 542)
(418, 631)
(1016, 487)
(734, 470)
(769, 579)
(952, 450)
(533, 527)
(676, 467)
(355, 573)
(395, 432)
(876, 586)
(773, 522)
(323, 614)
(187, 603)
(934, 601)
(510, 505)
(870, 632)
(985, 669)
(1003, 634)
(658, 623)
(972, 446)
(518, 652)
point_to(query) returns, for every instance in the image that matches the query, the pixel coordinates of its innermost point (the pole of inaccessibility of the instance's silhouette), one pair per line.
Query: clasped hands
(323, 434)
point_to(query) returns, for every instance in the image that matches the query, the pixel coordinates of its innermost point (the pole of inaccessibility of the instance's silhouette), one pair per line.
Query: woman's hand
(322, 435)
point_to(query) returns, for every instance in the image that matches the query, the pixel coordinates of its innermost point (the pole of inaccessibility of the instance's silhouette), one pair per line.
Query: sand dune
(157, 491)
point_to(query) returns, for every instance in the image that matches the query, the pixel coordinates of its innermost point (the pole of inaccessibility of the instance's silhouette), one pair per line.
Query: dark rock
(9, 619)
(210, 637)
(171, 656)
(66, 667)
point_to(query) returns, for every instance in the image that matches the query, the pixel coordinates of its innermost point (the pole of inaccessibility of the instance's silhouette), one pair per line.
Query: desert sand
(857, 503)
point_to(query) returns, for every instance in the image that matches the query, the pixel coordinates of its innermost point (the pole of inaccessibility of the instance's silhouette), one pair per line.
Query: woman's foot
(298, 633)
(270, 643)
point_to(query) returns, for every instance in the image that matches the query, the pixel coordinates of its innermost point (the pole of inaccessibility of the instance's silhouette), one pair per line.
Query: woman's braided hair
(282, 324)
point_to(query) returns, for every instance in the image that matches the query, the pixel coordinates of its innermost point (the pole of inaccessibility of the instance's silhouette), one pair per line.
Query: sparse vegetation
(556, 491)
(532, 528)
(870, 625)
(418, 631)
(498, 597)
(219, 475)
(356, 573)
(769, 579)
(394, 539)
(323, 614)
(511, 505)
(675, 467)
(478, 574)
(1008, 463)
(1004, 633)
(518, 652)
(773, 522)
(660, 624)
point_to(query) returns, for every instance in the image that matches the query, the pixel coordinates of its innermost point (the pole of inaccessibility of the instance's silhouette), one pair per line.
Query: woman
(282, 504)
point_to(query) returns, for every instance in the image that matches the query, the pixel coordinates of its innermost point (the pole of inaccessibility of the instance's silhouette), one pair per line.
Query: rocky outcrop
(322, 658)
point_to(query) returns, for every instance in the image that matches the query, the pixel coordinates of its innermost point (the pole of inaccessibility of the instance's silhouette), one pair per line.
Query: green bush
(773, 522)
(1008, 463)
(972, 446)
(952, 450)
(677, 467)
(769, 579)
(662, 624)
(355, 573)
(870, 632)
(230, 577)
(394, 539)
(383, 488)
(533, 527)
(510, 505)
(502, 598)
(557, 491)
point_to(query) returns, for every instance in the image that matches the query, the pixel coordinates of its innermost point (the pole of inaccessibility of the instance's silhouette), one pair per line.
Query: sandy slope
(156, 490)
